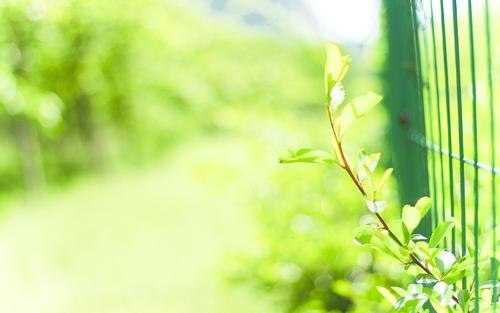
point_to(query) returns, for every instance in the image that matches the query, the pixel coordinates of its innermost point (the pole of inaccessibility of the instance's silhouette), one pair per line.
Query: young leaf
(400, 291)
(386, 244)
(388, 295)
(411, 217)
(412, 303)
(453, 276)
(369, 185)
(355, 109)
(376, 206)
(468, 262)
(464, 299)
(436, 305)
(418, 237)
(367, 164)
(307, 156)
(489, 284)
(336, 67)
(384, 179)
(445, 261)
(425, 279)
(443, 292)
(415, 288)
(363, 234)
(406, 234)
(362, 173)
(440, 232)
(371, 161)
(423, 205)
(398, 229)
(337, 96)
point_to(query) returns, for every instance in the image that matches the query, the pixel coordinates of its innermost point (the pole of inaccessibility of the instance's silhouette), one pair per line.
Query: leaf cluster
(440, 275)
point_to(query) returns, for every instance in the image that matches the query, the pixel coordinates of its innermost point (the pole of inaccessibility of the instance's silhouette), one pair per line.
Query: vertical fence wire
(475, 148)
(420, 127)
(448, 122)
(489, 79)
(458, 77)
(438, 106)
(426, 64)
(436, 98)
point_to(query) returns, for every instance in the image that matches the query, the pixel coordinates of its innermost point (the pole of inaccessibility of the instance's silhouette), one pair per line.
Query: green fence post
(403, 98)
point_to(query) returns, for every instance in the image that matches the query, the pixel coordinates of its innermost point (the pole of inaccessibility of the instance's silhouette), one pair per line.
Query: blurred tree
(62, 85)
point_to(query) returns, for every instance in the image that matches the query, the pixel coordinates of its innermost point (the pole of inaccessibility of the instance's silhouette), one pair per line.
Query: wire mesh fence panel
(456, 58)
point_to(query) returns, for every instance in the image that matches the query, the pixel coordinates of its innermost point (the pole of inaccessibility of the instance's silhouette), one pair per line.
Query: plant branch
(346, 166)
(422, 266)
(386, 227)
(358, 184)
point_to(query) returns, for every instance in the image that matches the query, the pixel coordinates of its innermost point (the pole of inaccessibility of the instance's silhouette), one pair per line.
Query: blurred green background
(138, 157)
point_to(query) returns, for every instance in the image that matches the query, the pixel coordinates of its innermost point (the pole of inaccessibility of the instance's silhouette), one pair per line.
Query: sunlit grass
(143, 241)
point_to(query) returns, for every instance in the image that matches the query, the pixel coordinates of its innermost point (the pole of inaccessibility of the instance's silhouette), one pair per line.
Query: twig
(358, 184)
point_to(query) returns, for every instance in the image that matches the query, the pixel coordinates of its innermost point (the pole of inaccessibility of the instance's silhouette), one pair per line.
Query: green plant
(440, 276)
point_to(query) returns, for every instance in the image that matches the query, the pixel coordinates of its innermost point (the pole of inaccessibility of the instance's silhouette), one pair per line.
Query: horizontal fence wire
(448, 101)
(421, 140)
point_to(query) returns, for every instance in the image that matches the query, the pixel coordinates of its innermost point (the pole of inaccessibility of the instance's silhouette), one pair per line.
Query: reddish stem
(349, 171)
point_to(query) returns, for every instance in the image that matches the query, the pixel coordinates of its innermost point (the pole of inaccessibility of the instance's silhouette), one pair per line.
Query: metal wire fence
(456, 95)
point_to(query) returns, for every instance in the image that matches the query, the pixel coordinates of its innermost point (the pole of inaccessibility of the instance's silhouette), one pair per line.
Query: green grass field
(149, 240)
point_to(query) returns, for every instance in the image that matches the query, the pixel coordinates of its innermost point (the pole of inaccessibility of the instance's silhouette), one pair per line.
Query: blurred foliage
(86, 86)
(308, 261)
(65, 89)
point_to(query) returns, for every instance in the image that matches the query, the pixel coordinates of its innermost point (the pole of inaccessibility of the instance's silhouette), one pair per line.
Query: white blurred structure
(347, 21)
(350, 22)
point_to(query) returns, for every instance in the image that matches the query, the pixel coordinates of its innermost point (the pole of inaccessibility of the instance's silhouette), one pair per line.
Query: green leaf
(363, 234)
(400, 291)
(423, 205)
(418, 237)
(436, 305)
(415, 288)
(489, 284)
(422, 247)
(412, 303)
(376, 206)
(336, 66)
(453, 276)
(443, 292)
(371, 161)
(307, 156)
(387, 294)
(384, 179)
(411, 217)
(397, 228)
(425, 279)
(336, 97)
(355, 109)
(406, 234)
(440, 232)
(464, 299)
(468, 263)
(386, 244)
(445, 260)
(367, 164)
